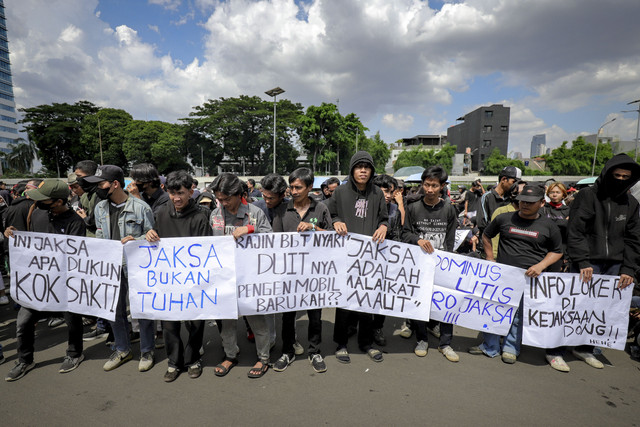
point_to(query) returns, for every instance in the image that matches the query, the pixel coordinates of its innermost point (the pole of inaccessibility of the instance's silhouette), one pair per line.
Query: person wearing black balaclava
(89, 199)
(604, 231)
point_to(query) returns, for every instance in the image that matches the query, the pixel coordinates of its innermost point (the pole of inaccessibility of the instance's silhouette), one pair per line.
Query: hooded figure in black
(358, 207)
(604, 227)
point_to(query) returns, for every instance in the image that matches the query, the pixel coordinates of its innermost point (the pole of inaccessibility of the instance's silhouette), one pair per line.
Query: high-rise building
(538, 145)
(8, 116)
(480, 132)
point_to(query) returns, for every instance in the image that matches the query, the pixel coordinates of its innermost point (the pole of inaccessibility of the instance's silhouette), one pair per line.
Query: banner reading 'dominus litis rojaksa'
(57, 272)
(560, 309)
(182, 278)
(475, 293)
(280, 272)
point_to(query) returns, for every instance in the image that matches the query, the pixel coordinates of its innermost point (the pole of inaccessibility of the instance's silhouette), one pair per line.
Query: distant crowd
(531, 226)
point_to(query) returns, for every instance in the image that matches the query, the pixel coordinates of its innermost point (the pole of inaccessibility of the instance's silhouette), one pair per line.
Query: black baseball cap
(531, 193)
(511, 172)
(106, 173)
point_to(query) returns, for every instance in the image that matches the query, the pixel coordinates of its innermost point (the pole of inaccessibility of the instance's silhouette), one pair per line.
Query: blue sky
(405, 67)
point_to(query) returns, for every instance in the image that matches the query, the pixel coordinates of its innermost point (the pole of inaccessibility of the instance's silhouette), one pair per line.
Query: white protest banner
(393, 278)
(56, 272)
(283, 272)
(561, 310)
(475, 293)
(182, 278)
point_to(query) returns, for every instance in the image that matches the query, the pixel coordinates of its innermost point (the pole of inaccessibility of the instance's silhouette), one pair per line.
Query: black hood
(607, 186)
(361, 157)
(190, 209)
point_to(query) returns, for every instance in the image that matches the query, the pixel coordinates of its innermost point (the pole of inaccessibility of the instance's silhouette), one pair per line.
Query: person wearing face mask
(603, 232)
(51, 215)
(124, 218)
(146, 186)
(88, 199)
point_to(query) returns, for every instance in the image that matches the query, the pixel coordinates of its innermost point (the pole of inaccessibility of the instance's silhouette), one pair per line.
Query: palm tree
(22, 155)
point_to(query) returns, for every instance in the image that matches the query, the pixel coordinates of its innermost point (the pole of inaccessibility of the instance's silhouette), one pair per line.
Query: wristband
(313, 227)
(251, 229)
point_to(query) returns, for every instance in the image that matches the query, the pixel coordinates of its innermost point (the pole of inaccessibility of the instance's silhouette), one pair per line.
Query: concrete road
(402, 390)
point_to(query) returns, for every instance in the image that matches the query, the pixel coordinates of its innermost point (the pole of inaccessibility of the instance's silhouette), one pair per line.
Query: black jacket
(362, 211)
(192, 221)
(68, 222)
(16, 215)
(603, 220)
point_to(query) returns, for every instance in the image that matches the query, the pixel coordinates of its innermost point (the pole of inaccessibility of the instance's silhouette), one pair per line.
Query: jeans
(183, 356)
(120, 326)
(512, 341)
(26, 327)
(365, 329)
(446, 332)
(229, 335)
(289, 331)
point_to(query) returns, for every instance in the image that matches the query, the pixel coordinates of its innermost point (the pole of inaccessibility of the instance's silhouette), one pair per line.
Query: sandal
(375, 354)
(258, 372)
(343, 355)
(224, 370)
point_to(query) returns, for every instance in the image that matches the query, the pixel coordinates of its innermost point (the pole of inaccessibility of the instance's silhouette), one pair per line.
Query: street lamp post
(637, 101)
(274, 92)
(593, 167)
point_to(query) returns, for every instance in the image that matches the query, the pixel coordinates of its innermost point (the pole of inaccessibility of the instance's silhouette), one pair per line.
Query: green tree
(378, 150)
(578, 160)
(56, 131)
(418, 156)
(242, 128)
(496, 161)
(21, 157)
(106, 127)
(160, 143)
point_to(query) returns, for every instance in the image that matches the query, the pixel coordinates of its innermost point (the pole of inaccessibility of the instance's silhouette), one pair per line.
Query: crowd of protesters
(527, 225)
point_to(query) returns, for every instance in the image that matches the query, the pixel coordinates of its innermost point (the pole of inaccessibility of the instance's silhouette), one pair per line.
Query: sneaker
(4, 300)
(588, 358)
(95, 334)
(146, 361)
(116, 359)
(435, 331)
(19, 371)
(475, 350)
(298, 349)
(378, 337)
(55, 322)
(317, 362)
(134, 337)
(421, 348)
(282, 363)
(557, 363)
(509, 358)
(405, 331)
(171, 374)
(448, 352)
(195, 370)
(70, 363)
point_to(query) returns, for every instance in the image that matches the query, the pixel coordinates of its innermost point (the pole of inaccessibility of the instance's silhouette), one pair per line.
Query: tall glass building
(8, 116)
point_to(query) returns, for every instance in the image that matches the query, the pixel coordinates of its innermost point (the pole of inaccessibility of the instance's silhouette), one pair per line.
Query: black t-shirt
(287, 219)
(474, 201)
(524, 242)
(114, 214)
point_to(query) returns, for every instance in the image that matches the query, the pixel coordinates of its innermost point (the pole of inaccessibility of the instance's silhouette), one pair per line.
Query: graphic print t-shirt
(524, 242)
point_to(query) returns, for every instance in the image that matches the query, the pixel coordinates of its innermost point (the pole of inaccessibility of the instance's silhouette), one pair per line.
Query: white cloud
(167, 4)
(154, 28)
(399, 121)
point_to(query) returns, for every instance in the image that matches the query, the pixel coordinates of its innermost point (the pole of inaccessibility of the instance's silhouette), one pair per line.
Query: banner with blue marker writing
(56, 272)
(475, 293)
(283, 272)
(391, 278)
(560, 310)
(191, 278)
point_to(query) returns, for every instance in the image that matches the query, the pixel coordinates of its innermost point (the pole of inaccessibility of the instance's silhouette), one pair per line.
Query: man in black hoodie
(358, 207)
(603, 233)
(181, 218)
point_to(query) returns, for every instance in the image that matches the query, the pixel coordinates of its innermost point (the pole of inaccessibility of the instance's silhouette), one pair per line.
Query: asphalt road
(402, 390)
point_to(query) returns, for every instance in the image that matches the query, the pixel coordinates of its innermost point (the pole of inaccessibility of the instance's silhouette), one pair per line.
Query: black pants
(289, 331)
(446, 332)
(365, 329)
(183, 356)
(26, 328)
